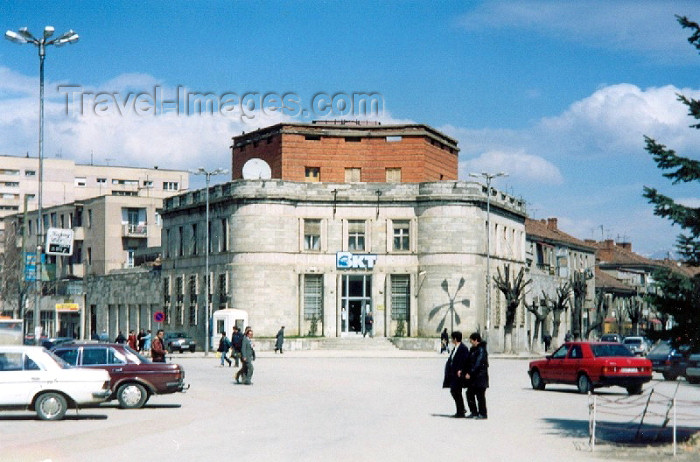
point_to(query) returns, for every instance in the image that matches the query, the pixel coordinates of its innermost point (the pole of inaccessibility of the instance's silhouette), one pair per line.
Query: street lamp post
(207, 176)
(21, 37)
(488, 177)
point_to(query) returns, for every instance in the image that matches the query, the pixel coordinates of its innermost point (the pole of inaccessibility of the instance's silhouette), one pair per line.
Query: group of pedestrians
(140, 342)
(242, 351)
(468, 368)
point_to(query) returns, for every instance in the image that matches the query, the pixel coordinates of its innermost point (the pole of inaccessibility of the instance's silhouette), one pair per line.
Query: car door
(552, 371)
(571, 364)
(20, 379)
(107, 358)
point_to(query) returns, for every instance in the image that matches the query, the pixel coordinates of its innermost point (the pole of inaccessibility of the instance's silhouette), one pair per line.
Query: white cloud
(643, 26)
(519, 165)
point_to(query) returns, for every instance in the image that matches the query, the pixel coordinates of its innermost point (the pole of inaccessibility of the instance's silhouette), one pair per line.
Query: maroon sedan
(590, 365)
(134, 378)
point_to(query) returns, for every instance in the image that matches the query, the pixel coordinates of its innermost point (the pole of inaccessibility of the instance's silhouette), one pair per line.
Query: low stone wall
(417, 344)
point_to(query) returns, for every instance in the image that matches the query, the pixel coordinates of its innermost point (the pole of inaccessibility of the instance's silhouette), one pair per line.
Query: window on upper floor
(312, 234)
(353, 175)
(81, 182)
(356, 235)
(401, 233)
(393, 175)
(312, 174)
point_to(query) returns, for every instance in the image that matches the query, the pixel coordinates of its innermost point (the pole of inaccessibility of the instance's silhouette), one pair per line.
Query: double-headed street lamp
(207, 175)
(21, 37)
(488, 177)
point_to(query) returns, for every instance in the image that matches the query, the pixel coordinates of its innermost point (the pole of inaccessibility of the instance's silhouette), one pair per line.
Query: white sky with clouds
(558, 94)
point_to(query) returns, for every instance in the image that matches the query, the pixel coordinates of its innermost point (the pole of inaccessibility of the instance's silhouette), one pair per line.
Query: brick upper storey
(349, 152)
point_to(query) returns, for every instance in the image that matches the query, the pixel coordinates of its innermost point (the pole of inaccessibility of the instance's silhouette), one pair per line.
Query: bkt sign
(349, 260)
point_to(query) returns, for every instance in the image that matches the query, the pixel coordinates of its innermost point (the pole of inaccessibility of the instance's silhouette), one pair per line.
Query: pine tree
(680, 294)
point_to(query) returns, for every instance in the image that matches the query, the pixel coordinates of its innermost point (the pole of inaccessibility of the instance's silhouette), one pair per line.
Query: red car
(134, 378)
(590, 365)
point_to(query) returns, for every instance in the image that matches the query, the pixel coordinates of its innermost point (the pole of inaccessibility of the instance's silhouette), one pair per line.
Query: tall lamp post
(207, 176)
(21, 37)
(488, 177)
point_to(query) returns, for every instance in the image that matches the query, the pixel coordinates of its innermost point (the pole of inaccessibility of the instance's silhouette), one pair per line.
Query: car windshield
(59, 361)
(606, 350)
(135, 357)
(633, 341)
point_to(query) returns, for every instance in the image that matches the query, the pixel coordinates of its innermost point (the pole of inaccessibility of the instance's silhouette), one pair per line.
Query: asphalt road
(307, 406)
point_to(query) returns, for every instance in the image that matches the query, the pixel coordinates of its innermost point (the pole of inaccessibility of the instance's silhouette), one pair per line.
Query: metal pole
(488, 254)
(206, 267)
(675, 429)
(40, 222)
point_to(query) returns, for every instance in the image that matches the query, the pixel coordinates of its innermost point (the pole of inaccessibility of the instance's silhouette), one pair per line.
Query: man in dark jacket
(224, 346)
(158, 348)
(236, 345)
(477, 377)
(455, 369)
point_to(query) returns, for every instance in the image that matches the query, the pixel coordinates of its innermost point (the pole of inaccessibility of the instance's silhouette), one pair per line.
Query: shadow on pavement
(626, 433)
(82, 416)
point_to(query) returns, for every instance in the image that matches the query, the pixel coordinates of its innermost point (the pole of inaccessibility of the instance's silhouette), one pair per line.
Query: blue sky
(557, 93)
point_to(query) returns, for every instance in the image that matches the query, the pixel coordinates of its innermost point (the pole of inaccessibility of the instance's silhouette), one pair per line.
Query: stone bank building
(322, 223)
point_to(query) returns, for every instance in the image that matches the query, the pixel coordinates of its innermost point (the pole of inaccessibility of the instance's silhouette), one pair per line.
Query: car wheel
(634, 389)
(171, 349)
(192, 347)
(584, 384)
(536, 380)
(669, 376)
(51, 406)
(132, 396)
(693, 380)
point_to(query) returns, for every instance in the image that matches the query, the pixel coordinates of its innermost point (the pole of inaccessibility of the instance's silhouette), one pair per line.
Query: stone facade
(274, 253)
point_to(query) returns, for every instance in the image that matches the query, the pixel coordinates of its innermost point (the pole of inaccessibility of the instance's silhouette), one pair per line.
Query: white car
(33, 378)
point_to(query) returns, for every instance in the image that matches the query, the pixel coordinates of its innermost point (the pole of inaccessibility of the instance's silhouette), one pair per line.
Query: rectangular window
(80, 182)
(13, 184)
(193, 300)
(356, 235)
(353, 139)
(130, 253)
(312, 138)
(312, 234)
(89, 255)
(223, 241)
(89, 220)
(179, 301)
(148, 184)
(401, 235)
(180, 242)
(193, 242)
(166, 290)
(223, 291)
(125, 182)
(312, 174)
(393, 175)
(400, 290)
(313, 296)
(393, 139)
(102, 180)
(53, 219)
(30, 173)
(352, 175)
(170, 186)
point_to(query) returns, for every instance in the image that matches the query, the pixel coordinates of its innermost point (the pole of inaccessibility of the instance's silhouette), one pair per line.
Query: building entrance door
(356, 302)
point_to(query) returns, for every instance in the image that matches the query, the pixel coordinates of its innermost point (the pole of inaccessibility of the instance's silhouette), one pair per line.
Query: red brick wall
(289, 154)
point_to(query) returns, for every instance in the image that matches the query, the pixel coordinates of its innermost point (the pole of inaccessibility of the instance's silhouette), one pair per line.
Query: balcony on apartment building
(134, 230)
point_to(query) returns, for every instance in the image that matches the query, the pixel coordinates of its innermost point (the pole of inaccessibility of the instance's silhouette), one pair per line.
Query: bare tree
(580, 287)
(450, 311)
(634, 312)
(598, 315)
(540, 311)
(13, 287)
(559, 305)
(514, 291)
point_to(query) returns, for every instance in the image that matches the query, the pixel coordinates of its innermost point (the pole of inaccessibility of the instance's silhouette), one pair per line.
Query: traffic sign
(159, 316)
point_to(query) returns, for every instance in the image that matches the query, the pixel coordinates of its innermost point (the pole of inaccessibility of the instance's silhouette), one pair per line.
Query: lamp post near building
(488, 177)
(21, 37)
(207, 176)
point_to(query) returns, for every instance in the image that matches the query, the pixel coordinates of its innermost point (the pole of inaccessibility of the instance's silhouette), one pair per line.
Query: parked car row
(637, 344)
(81, 374)
(673, 362)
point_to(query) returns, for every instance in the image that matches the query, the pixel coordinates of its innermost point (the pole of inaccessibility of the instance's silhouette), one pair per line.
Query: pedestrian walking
(280, 340)
(247, 356)
(140, 340)
(444, 340)
(224, 346)
(369, 322)
(158, 348)
(455, 369)
(477, 377)
(120, 338)
(236, 345)
(568, 337)
(133, 344)
(547, 341)
(147, 342)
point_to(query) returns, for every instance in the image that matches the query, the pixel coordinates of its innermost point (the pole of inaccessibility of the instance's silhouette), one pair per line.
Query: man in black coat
(455, 369)
(477, 377)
